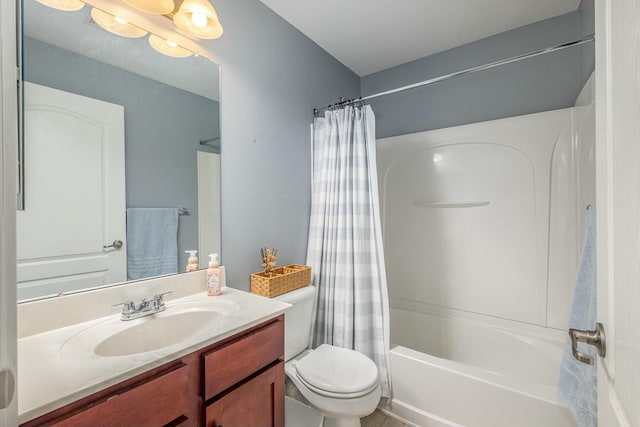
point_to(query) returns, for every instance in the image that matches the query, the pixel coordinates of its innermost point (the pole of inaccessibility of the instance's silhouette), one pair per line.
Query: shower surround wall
(483, 220)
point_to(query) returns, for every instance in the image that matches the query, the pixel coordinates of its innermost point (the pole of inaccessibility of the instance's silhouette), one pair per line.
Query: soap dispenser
(214, 286)
(192, 261)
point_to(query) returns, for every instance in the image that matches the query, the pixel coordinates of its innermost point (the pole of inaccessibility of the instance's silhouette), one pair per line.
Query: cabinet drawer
(154, 402)
(226, 366)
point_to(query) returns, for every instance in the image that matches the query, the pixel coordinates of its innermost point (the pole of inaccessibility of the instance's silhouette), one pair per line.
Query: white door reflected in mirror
(75, 194)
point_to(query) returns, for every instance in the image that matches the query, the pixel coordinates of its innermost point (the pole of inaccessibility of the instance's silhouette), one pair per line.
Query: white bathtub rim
(506, 325)
(548, 394)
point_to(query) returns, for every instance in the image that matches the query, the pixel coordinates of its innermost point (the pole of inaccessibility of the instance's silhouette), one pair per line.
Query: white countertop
(58, 366)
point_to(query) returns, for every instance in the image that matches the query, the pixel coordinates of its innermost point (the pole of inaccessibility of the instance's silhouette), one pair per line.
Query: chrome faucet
(146, 307)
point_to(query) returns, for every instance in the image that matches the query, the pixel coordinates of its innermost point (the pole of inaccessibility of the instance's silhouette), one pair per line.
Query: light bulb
(168, 47)
(116, 25)
(199, 19)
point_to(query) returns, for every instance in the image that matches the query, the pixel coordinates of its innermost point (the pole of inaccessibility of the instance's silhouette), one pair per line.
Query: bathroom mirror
(154, 121)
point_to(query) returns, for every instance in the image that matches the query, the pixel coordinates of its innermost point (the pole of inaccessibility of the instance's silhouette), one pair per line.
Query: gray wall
(272, 77)
(587, 27)
(543, 83)
(163, 127)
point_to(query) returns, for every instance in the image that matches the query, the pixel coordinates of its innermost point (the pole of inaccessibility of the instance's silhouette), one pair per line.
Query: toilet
(341, 384)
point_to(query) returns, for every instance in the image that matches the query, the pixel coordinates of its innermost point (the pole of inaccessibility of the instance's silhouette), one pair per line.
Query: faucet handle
(160, 297)
(158, 300)
(128, 309)
(127, 306)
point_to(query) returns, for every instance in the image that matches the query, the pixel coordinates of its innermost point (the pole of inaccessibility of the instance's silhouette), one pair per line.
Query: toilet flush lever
(596, 338)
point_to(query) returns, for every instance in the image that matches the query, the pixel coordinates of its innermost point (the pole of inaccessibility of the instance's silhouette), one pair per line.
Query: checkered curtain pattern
(345, 238)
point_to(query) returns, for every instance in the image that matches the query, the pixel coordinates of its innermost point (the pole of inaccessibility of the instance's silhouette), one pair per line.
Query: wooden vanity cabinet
(235, 399)
(238, 381)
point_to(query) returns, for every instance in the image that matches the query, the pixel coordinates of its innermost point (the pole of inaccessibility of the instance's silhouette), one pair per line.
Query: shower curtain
(345, 238)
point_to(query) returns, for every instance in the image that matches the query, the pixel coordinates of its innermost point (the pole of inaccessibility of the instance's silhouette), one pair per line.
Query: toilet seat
(336, 395)
(337, 372)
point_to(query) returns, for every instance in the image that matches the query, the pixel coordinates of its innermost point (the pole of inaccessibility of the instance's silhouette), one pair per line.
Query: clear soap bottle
(214, 286)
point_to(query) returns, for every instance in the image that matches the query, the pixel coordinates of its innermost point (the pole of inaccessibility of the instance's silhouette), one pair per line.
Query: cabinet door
(256, 403)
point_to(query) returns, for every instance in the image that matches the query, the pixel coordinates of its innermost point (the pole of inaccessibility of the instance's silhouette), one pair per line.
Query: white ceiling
(373, 35)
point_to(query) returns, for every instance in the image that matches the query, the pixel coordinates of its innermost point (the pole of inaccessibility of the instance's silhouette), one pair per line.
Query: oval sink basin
(156, 333)
(181, 321)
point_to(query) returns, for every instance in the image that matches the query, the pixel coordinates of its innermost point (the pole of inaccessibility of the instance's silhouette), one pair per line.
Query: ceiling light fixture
(167, 47)
(67, 5)
(157, 7)
(198, 18)
(116, 25)
(195, 18)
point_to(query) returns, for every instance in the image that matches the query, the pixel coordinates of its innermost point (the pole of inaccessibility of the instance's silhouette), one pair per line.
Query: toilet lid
(338, 371)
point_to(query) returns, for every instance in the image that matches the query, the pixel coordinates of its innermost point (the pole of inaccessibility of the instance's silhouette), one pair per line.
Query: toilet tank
(297, 320)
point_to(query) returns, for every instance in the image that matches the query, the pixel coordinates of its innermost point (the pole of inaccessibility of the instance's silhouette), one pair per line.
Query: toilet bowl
(341, 384)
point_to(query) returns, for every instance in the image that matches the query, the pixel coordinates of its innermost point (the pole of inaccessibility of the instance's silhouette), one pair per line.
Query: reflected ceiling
(83, 36)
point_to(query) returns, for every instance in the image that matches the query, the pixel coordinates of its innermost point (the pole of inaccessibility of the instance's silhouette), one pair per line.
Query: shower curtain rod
(509, 60)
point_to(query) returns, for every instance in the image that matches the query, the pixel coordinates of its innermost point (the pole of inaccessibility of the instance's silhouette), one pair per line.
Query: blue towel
(152, 242)
(577, 383)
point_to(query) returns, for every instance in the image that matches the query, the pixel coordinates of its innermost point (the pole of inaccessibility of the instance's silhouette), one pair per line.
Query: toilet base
(341, 422)
(297, 414)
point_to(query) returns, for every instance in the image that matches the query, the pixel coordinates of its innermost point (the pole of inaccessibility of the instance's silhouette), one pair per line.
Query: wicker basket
(280, 280)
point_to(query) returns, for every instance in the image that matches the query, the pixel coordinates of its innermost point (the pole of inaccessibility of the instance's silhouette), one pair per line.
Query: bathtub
(482, 227)
(474, 375)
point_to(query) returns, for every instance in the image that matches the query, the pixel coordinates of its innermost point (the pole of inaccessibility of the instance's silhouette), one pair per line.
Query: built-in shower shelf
(441, 205)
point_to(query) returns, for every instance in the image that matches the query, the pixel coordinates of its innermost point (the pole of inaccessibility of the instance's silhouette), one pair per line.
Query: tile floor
(378, 419)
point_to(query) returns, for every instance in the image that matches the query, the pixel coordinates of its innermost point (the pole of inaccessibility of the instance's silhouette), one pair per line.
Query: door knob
(117, 244)
(596, 338)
